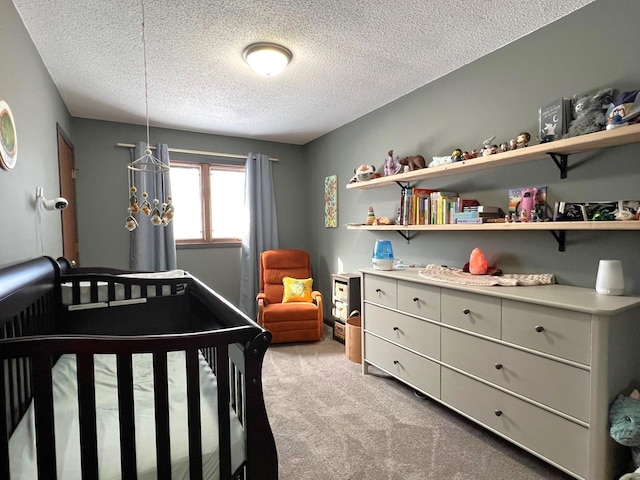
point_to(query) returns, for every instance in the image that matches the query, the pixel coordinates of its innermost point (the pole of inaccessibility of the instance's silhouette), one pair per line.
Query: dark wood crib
(52, 314)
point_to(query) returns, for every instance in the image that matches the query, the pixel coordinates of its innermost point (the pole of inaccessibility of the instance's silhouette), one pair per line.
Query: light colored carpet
(332, 422)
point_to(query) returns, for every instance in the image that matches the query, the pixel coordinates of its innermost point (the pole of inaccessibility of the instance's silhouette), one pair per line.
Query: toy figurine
(522, 140)
(624, 110)
(486, 147)
(456, 156)
(524, 216)
(370, 216)
(504, 146)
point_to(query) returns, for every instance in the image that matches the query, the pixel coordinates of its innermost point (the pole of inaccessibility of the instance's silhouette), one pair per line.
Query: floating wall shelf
(558, 151)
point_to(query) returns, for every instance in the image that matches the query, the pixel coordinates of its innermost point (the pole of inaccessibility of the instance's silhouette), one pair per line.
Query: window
(209, 202)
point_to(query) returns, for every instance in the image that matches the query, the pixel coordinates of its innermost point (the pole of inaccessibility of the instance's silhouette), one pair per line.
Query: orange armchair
(291, 321)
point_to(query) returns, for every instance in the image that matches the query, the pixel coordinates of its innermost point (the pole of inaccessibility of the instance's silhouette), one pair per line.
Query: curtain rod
(196, 152)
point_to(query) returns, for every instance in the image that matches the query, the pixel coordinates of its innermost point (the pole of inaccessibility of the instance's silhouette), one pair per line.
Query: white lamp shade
(267, 59)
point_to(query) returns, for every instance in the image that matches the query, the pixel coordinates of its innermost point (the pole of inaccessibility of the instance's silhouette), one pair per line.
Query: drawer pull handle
(396, 362)
(539, 328)
(466, 311)
(416, 299)
(498, 366)
(498, 413)
(378, 290)
(395, 329)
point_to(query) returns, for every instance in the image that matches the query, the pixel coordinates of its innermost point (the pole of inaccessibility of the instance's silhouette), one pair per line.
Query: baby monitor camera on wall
(58, 203)
(55, 204)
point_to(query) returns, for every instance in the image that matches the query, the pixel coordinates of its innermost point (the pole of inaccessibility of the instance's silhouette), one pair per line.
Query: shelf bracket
(407, 236)
(402, 186)
(561, 164)
(560, 238)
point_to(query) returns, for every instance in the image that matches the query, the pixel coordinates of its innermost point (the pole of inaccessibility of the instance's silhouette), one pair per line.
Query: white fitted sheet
(22, 447)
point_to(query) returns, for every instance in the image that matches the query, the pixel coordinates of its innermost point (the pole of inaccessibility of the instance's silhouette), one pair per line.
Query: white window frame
(207, 238)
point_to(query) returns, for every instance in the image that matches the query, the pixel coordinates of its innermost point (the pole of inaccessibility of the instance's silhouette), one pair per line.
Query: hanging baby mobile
(160, 213)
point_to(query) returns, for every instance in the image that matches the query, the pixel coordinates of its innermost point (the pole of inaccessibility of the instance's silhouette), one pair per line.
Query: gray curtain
(152, 248)
(261, 228)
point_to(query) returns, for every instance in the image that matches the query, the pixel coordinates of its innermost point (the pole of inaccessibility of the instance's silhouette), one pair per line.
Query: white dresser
(538, 366)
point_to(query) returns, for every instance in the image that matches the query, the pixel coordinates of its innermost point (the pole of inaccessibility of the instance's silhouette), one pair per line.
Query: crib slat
(4, 434)
(43, 413)
(87, 416)
(161, 404)
(93, 289)
(193, 414)
(126, 417)
(224, 426)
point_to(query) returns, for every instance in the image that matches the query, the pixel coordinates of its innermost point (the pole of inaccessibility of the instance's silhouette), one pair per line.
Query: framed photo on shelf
(595, 211)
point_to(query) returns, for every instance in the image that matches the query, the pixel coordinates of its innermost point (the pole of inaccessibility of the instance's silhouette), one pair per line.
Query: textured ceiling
(350, 57)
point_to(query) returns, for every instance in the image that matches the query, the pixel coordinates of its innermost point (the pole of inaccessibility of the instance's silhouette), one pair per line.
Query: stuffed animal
(590, 112)
(624, 417)
(439, 161)
(364, 172)
(414, 162)
(391, 164)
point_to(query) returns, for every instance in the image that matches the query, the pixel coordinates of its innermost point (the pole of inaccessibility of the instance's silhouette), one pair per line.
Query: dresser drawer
(564, 333)
(553, 437)
(413, 369)
(417, 299)
(554, 384)
(410, 332)
(380, 290)
(473, 312)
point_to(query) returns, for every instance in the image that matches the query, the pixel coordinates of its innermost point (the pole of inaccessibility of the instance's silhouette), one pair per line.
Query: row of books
(423, 206)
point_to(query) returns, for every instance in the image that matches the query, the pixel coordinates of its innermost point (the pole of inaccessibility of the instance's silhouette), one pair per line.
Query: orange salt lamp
(477, 262)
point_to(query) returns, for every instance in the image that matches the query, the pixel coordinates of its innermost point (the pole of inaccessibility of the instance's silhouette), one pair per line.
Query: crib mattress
(22, 447)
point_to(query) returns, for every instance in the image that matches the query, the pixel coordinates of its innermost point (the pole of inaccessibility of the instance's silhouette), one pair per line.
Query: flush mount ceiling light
(268, 59)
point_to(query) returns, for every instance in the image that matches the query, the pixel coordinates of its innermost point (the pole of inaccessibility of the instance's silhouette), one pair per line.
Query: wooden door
(67, 170)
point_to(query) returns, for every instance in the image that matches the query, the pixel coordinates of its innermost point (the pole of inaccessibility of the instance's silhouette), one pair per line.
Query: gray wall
(102, 190)
(37, 107)
(497, 95)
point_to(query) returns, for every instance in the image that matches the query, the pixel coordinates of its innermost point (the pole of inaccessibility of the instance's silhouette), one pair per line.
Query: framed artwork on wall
(331, 201)
(8, 138)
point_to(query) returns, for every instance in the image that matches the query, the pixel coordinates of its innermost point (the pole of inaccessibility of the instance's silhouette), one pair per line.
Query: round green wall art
(8, 138)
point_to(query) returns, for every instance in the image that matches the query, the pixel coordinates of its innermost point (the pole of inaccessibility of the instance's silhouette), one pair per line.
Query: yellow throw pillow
(297, 290)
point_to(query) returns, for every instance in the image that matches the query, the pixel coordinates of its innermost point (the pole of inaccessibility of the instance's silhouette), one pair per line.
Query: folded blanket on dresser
(456, 275)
